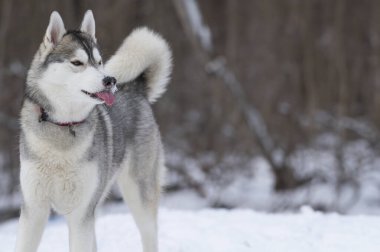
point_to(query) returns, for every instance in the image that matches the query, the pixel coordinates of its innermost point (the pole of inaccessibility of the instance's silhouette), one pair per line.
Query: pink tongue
(107, 97)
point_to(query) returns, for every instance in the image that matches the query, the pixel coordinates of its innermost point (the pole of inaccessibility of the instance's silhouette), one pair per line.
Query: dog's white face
(70, 79)
(72, 76)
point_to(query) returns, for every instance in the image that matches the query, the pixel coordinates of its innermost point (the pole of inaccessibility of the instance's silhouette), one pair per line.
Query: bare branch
(219, 68)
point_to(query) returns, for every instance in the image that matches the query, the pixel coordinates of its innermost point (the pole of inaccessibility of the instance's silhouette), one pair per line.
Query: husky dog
(74, 144)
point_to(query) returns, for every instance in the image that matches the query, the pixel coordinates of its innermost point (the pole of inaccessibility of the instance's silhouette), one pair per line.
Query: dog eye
(100, 63)
(77, 63)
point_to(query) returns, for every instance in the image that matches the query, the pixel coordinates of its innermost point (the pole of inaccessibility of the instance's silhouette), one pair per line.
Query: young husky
(74, 144)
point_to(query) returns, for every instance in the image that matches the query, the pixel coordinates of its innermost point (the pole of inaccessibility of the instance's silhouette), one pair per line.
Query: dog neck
(44, 117)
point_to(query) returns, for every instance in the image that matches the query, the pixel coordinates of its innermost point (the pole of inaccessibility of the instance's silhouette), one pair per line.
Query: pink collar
(44, 117)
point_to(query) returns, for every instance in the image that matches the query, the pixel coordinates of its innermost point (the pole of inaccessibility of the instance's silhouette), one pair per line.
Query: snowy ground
(222, 230)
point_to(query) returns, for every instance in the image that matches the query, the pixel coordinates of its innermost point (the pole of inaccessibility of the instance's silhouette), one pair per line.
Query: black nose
(109, 81)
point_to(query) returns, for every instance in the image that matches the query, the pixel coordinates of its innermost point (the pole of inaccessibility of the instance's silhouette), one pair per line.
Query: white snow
(222, 231)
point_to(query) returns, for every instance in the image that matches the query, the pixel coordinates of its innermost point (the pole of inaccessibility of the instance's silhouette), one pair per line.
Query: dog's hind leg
(143, 204)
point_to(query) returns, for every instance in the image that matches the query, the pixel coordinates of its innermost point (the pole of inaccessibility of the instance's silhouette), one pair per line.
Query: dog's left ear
(88, 24)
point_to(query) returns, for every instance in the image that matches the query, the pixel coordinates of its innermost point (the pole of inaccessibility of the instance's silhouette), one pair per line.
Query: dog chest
(63, 184)
(73, 187)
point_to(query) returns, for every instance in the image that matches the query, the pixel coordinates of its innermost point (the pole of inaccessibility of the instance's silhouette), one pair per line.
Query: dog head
(67, 76)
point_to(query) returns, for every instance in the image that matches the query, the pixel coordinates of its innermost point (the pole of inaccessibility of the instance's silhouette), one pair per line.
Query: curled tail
(143, 51)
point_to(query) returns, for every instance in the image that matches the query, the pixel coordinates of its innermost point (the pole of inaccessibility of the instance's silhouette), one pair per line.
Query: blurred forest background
(272, 104)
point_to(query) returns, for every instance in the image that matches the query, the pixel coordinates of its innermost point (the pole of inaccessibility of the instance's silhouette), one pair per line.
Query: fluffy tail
(143, 51)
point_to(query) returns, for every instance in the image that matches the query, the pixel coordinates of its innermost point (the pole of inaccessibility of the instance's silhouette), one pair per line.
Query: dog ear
(55, 29)
(88, 24)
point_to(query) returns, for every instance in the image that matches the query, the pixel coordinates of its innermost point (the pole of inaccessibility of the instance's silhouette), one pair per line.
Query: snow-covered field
(223, 230)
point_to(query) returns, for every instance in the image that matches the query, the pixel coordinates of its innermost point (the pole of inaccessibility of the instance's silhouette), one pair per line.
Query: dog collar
(44, 117)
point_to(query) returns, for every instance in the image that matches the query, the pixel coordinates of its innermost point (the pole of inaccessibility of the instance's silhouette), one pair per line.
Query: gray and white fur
(73, 147)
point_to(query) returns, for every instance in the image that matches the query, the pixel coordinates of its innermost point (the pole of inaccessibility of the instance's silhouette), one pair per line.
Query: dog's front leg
(81, 232)
(32, 221)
